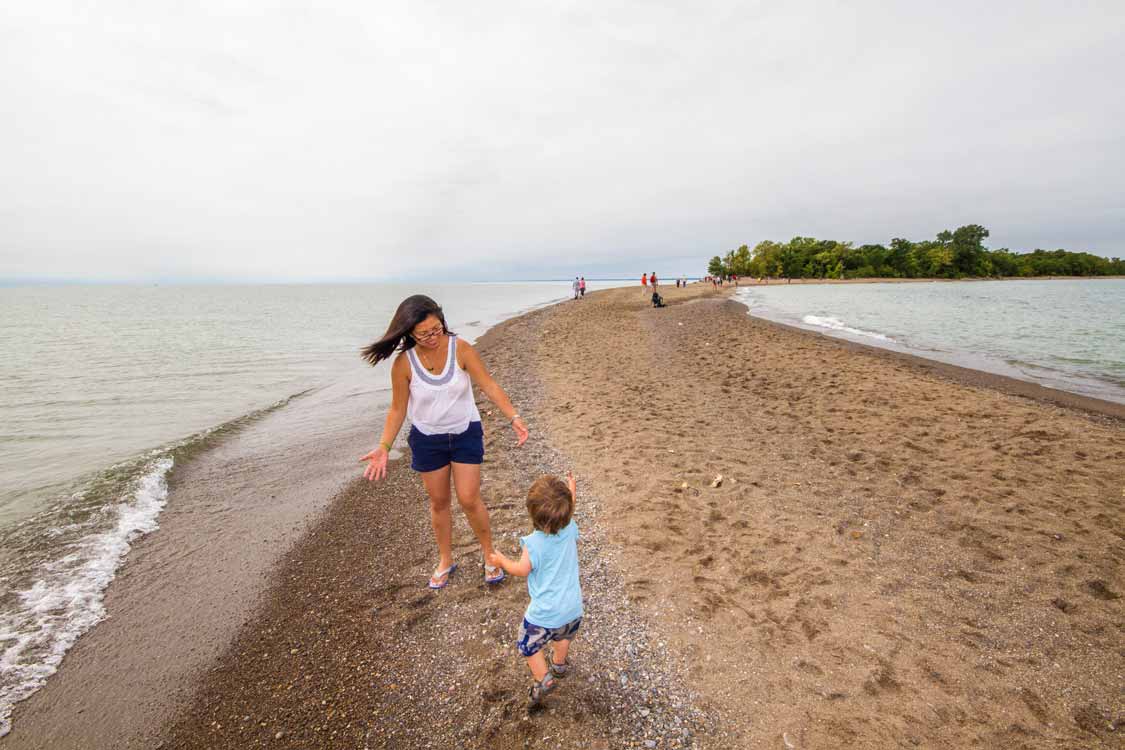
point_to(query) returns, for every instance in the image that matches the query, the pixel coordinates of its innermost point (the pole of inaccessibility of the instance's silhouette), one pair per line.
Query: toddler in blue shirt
(549, 560)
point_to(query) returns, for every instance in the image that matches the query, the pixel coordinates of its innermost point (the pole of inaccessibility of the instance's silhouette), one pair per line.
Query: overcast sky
(378, 140)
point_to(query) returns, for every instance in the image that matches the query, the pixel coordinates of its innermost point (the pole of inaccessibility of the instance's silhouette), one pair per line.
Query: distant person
(574, 287)
(582, 287)
(652, 280)
(432, 380)
(657, 300)
(644, 283)
(549, 561)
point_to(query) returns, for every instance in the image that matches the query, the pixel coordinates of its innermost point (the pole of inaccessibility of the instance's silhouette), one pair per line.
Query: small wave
(835, 324)
(63, 597)
(66, 600)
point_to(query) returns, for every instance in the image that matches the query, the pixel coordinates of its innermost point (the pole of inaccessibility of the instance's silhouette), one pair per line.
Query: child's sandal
(539, 691)
(559, 670)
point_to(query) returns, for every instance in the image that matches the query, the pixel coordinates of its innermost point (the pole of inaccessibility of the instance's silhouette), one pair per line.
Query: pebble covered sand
(787, 542)
(351, 650)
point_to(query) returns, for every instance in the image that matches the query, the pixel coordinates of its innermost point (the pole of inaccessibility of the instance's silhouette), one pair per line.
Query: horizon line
(48, 281)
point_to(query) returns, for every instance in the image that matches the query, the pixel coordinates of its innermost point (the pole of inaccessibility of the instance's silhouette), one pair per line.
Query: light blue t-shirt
(556, 597)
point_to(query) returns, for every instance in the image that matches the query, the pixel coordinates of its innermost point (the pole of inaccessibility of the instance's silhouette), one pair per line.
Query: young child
(549, 561)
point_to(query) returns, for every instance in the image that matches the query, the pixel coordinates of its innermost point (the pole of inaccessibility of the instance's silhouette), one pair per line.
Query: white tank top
(441, 404)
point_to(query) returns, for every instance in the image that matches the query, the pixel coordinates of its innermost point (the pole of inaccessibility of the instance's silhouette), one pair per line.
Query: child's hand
(571, 484)
(496, 559)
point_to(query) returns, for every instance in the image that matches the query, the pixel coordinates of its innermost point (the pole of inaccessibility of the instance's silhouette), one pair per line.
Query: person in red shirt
(644, 284)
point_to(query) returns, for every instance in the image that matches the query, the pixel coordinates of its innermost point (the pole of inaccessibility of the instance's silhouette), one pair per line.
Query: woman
(432, 382)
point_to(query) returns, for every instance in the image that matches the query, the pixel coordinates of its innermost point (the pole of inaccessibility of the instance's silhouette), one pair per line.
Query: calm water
(1068, 335)
(104, 389)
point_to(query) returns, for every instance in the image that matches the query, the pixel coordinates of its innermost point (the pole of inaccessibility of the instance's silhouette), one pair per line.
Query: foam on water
(67, 599)
(835, 324)
(79, 478)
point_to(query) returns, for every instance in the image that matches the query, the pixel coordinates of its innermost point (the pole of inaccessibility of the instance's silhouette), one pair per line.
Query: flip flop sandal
(493, 575)
(444, 574)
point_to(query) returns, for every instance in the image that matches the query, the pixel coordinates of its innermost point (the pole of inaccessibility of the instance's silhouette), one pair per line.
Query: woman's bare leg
(466, 480)
(437, 487)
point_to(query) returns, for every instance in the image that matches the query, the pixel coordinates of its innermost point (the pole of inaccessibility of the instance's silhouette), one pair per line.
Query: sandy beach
(789, 541)
(898, 553)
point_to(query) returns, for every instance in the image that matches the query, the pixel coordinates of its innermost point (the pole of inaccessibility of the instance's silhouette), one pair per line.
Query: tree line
(951, 255)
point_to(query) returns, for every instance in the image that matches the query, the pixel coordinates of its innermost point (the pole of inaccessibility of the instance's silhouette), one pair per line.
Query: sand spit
(895, 556)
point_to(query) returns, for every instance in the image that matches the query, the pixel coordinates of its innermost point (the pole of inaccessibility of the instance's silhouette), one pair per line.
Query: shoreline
(349, 648)
(969, 375)
(344, 648)
(234, 504)
(230, 513)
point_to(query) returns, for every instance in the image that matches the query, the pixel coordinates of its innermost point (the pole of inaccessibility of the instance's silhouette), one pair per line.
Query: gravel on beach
(788, 541)
(350, 649)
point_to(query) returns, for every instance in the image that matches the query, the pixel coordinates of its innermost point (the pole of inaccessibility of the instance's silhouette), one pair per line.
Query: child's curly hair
(549, 504)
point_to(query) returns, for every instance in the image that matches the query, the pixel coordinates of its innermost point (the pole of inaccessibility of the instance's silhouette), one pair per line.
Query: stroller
(657, 300)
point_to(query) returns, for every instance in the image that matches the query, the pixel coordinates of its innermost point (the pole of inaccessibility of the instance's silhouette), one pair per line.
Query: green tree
(967, 243)
(899, 257)
(790, 261)
(764, 262)
(952, 254)
(939, 260)
(740, 262)
(1003, 262)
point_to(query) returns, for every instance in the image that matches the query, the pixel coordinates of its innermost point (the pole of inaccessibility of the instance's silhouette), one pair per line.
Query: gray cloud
(291, 142)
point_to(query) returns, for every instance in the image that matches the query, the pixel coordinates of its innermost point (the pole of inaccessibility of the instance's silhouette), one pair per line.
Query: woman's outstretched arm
(474, 365)
(396, 415)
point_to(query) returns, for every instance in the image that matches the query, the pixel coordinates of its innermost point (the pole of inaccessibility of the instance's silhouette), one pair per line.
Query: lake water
(1065, 334)
(104, 390)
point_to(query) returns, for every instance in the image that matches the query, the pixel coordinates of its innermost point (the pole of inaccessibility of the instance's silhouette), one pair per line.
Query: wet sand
(186, 590)
(899, 553)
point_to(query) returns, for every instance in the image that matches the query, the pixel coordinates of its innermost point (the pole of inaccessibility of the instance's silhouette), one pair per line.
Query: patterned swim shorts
(533, 638)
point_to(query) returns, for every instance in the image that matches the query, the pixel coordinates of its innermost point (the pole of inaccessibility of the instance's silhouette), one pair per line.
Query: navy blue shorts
(532, 638)
(433, 452)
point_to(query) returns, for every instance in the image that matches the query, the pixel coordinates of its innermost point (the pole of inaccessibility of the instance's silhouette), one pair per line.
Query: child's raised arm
(573, 487)
(520, 568)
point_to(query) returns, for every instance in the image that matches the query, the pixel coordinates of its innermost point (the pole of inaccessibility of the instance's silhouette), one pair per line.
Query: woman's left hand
(521, 430)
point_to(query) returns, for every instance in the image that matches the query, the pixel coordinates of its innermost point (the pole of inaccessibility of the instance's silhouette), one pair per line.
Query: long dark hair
(412, 311)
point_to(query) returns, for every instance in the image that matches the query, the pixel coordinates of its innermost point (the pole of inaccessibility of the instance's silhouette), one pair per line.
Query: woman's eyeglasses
(426, 335)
